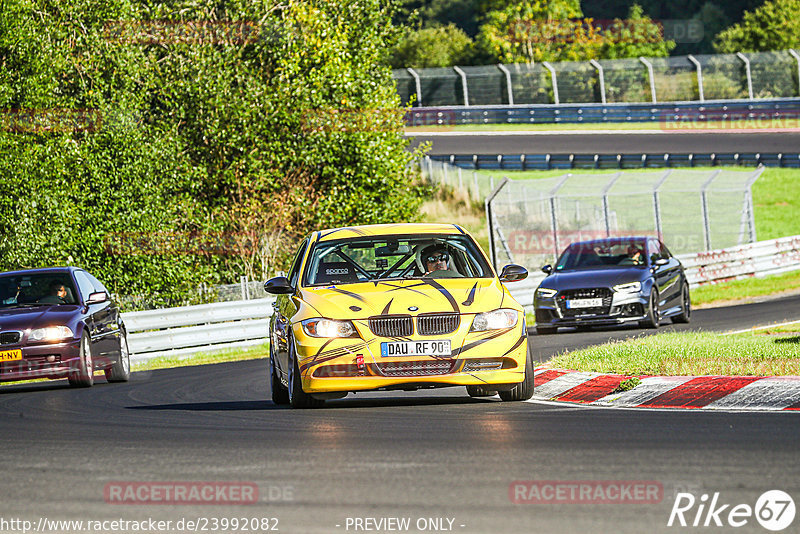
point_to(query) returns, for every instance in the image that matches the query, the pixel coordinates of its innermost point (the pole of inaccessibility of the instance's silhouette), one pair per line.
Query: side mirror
(278, 286)
(97, 297)
(547, 269)
(513, 273)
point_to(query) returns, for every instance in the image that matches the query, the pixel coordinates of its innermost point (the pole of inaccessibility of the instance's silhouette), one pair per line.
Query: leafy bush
(259, 136)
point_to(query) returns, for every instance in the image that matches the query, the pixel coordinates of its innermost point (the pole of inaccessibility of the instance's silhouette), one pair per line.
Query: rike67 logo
(774, 510)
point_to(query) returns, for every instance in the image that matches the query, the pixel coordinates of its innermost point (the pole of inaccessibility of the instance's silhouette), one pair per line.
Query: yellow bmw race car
(395, 307)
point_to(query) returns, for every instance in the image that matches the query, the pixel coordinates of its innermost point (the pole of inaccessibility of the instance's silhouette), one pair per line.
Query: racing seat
(335, 273)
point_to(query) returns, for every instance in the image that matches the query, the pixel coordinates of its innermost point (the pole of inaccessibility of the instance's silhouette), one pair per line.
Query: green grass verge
(567, 126)
(746, 289)
(204, 358)
(679, 354)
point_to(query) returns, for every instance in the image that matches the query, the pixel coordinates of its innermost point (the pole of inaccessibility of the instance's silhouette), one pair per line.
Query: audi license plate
(415, 348)
(584, 303)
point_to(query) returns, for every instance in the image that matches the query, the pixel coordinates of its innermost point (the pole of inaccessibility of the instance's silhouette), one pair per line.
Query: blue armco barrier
(673, 115)
(531, 162)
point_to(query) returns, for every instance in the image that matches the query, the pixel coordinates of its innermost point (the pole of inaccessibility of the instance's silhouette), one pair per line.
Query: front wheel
(652, 318)
(280, 395)
(82, 373)
(480, 391)
(686, 307)
(121, 370)
(297, 397)
(524, 390)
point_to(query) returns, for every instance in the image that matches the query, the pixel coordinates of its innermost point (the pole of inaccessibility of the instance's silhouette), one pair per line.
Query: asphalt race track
(635, 142)
(426, 455)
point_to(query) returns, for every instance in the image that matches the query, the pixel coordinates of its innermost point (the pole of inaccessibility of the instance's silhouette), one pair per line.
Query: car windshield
(602, 254)
(36, 290)
(391, 257)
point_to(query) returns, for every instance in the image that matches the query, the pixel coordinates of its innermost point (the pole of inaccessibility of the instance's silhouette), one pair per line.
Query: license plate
(415, 348)
(10, 355)
(584, 303)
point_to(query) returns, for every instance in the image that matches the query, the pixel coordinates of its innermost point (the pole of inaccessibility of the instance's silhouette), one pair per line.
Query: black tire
(82, 373)
(280, 395)
(545, 330)
(297, 397)
(653, 316)
(686, 307)
(121, 370)
(524, 390)
(480, 391)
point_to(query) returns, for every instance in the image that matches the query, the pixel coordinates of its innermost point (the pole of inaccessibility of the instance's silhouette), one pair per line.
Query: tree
(443, 46)
(773, 26)
(636, 36)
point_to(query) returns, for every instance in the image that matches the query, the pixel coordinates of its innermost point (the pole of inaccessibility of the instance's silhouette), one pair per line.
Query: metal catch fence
(761, 75)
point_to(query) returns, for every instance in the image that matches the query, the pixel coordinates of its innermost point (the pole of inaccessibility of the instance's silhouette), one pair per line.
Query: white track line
(754, 328)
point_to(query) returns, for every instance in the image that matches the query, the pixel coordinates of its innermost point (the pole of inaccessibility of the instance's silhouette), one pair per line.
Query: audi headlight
(50, 333)
(545, 293)
(495, 320)
(329, 328)
(633, 287)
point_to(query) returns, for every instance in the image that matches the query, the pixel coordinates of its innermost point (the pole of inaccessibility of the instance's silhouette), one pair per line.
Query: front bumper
(494, 357)
(623, 308)
(53, 361)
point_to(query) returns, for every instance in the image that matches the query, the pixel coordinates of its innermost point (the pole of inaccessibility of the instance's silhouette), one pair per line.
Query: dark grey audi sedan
(610, 282)
(60, 323)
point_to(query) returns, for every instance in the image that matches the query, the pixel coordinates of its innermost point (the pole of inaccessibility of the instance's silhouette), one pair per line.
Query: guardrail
(188, 329)
(543, 162)
(675, 116)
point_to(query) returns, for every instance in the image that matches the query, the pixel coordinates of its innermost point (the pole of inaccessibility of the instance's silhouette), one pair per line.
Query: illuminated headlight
(329, 328)
(495, 320)
(51, 333)
(545, 293)
(632, 287)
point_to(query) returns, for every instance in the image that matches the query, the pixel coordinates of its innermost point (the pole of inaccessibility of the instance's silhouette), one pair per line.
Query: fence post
(704, 206)
(554, 79)
(605, 191)
(657, 204)
(414, 74)
(748, 73)
(553, 217)
(652, 78)
(700, 76)
(463, 85)
(796, 56)
(490, 220)
(508, 83)
(243, 285)
(602, 79)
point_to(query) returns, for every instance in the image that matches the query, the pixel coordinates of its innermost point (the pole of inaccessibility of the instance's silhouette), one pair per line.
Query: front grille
(391, 325)
(438, 324)
(590, 293)
(416, 368)
(10, 338)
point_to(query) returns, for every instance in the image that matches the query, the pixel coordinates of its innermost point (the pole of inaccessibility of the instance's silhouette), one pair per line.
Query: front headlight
(633, 287)
(50, 333)
(495, 320)
(546, 293)
(319, 327)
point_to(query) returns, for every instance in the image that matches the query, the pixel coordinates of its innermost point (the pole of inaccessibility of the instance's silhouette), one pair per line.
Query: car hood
(24, 317)
(359, 301)
(594, 278)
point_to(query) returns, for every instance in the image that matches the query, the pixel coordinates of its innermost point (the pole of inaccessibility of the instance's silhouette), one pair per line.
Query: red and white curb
(688, 392)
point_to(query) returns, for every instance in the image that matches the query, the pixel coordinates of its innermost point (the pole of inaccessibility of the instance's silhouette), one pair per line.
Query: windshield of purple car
(601, 254)
(36, 289)
(385, 258)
